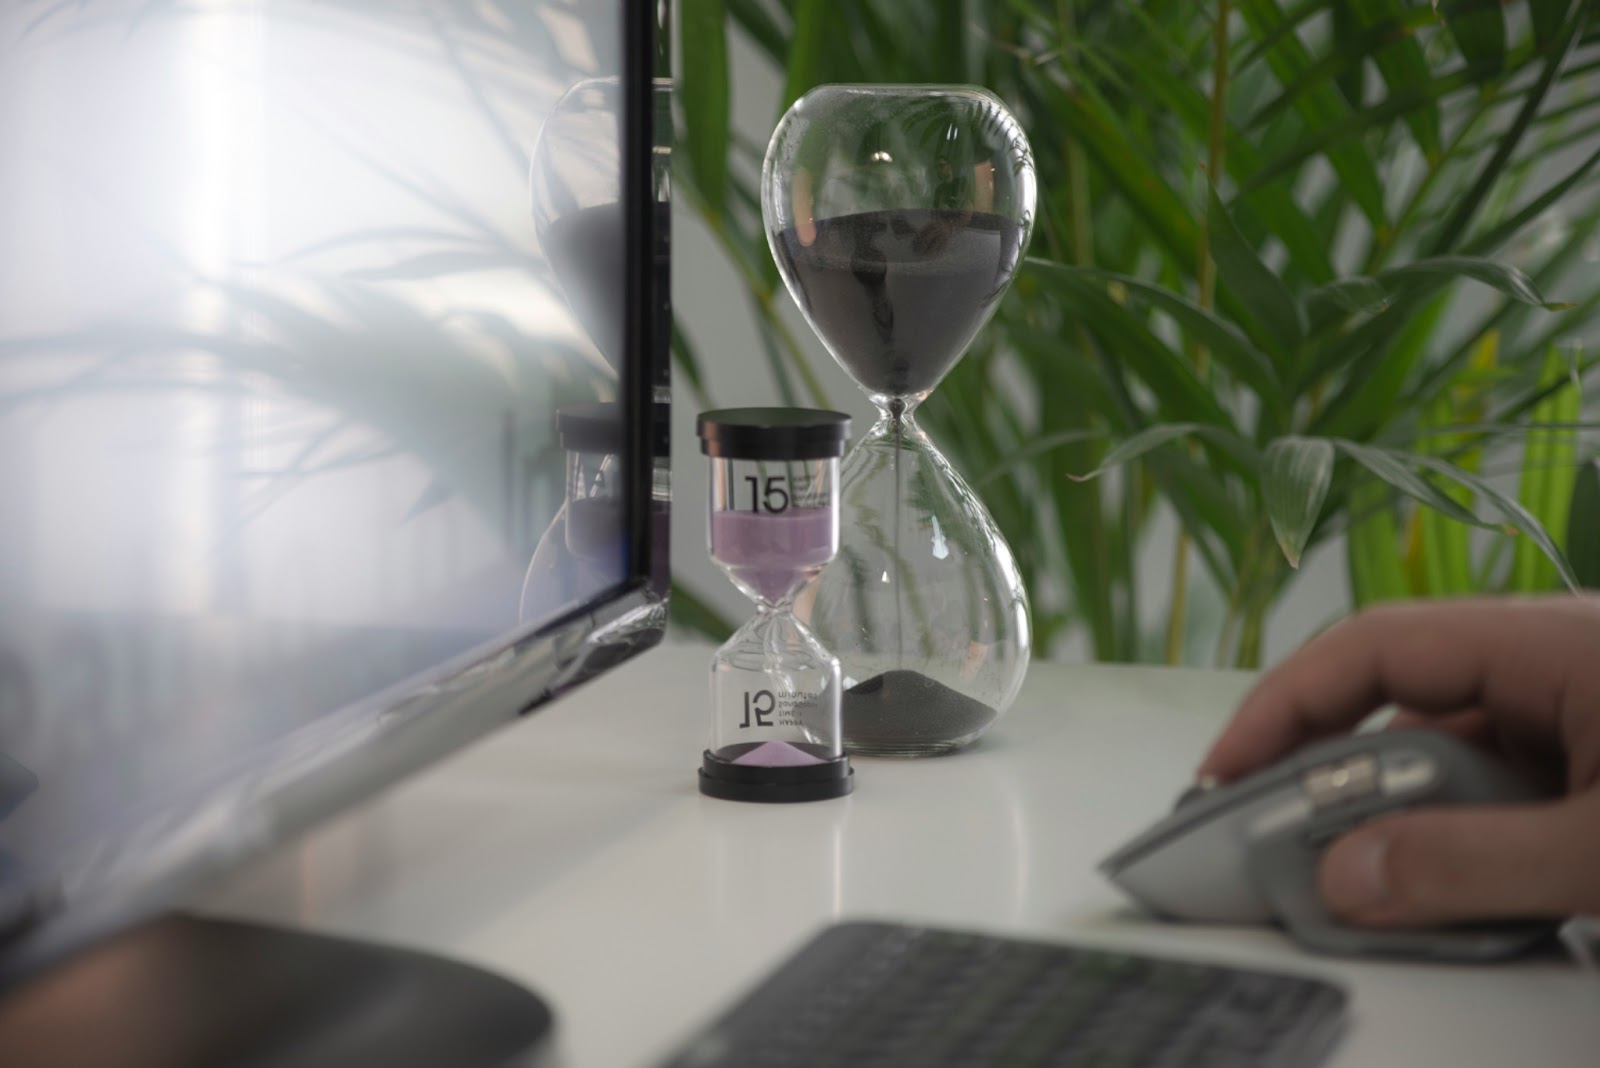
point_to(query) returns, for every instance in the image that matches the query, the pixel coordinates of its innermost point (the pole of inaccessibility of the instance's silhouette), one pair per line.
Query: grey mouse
(1247, 852)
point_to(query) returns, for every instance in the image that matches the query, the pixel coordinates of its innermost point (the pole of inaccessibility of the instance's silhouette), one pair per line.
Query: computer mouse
(1247, 852)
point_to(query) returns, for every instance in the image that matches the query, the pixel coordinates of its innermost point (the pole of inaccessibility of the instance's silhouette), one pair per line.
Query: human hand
(1520, 677)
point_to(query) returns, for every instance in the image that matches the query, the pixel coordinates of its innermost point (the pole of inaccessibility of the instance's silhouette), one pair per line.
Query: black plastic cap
(773, 433)
(597, 428)
(727, 781)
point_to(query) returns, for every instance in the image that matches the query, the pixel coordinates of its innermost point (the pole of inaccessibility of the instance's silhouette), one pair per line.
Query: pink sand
(774, 554)
(777, 755)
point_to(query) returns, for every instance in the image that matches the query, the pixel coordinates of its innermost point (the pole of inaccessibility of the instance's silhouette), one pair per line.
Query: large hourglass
(898, 216)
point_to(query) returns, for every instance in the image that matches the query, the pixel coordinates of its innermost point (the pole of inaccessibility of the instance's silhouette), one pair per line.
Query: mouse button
(1341, 781)
(1231, 805)
(1199, 871)
(1420, 761)
(1211, 792)
(1327, 824)
(1200, 875)
(1152, 838)
(1407, 772)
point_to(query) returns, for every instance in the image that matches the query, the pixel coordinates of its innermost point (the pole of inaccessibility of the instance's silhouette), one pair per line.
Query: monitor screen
(330, 332)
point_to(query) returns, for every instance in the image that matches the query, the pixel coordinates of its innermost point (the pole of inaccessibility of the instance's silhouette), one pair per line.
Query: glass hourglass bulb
(898, 216)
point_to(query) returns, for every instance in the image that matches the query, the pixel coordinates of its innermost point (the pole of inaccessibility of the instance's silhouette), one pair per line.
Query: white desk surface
(574, 853)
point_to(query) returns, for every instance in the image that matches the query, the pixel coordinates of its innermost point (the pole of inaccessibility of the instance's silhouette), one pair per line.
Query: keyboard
(879, 995)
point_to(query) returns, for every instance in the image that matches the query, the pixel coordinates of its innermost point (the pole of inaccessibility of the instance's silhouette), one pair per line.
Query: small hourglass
(774, 525)
(585, 547)
(898, 216)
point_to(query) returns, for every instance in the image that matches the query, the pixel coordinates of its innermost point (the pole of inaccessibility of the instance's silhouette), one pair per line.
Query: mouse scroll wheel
(1343, 780)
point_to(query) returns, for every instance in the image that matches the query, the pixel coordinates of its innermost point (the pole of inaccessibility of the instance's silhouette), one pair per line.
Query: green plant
(1287, 285)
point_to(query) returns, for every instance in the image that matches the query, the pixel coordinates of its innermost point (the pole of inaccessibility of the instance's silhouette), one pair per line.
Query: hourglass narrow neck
(896, 405)
(896, 429)
(774, 637)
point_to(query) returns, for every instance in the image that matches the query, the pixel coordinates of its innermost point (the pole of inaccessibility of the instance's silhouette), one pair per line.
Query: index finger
(1517, 659)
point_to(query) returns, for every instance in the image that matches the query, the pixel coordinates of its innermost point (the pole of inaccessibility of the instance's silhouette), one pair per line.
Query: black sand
(898, 295)
(907, 710)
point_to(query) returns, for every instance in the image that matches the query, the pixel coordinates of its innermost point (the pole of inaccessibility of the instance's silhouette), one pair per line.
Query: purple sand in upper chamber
(897, 296)
(774, 553)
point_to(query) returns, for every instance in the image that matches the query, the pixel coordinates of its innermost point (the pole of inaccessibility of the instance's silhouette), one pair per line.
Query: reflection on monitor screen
(312, 373)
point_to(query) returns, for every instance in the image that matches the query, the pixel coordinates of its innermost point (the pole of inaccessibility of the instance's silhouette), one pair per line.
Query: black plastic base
(195, 993)
(727, 781)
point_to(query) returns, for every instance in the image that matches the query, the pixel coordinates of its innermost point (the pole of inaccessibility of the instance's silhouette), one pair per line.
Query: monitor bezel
(417, 723)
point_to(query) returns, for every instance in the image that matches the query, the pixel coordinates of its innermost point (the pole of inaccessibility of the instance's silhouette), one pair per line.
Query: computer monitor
(333, 357)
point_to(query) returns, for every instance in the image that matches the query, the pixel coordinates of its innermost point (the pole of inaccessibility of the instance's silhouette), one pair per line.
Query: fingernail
(1355, 874)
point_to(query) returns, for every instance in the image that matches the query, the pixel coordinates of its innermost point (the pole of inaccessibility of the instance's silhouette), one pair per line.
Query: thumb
(1449, 865)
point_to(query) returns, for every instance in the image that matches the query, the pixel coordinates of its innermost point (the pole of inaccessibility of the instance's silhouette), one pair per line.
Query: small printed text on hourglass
(760, 708)
(774, 496)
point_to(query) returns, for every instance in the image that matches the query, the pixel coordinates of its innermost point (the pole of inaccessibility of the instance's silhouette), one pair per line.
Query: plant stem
(1249, 564)
(1249, 652)
(1206, 272)
(1084, 505)
(1252, 595)
(1178, 611)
